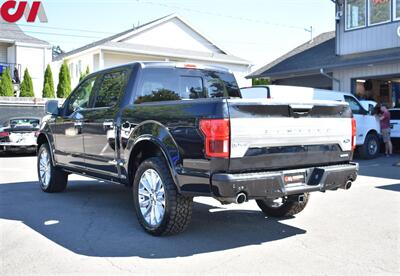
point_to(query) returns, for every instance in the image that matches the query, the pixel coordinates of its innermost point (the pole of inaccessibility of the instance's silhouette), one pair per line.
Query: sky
(256, 30)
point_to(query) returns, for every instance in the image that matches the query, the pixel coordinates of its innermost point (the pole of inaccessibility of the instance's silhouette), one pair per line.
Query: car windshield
(15, 123)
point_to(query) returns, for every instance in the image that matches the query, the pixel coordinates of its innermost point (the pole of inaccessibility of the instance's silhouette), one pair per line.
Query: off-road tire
(289, 208)
(178, 208)
(58, 178)
(364, 150)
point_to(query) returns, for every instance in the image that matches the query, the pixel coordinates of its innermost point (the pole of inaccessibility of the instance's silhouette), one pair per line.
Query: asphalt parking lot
(92, 229)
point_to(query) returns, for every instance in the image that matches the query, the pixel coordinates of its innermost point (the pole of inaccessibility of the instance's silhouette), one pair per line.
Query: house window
(355, 14)
(379, 11)
(396, 9)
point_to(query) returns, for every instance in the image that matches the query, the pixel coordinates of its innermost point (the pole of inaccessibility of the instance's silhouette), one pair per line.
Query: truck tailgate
(268, 134)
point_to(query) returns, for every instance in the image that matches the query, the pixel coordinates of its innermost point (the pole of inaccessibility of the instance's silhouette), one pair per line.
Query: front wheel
(160, 209)
(284, 206)
(51, 178)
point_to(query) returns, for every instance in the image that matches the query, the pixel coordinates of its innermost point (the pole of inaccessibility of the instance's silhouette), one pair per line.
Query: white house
(19, 51)
(169, 38)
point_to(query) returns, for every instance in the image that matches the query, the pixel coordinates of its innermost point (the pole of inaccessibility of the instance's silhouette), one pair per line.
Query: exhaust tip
(348, 185)
(241, 198)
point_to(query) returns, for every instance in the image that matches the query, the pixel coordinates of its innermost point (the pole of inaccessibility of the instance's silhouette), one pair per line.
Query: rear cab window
(16, 123)
(355, 106)
(255, 92)
(172, 84)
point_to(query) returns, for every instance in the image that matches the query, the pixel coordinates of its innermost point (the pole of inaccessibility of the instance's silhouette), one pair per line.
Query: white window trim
(379, 23)
(394, 2)
(346, 16)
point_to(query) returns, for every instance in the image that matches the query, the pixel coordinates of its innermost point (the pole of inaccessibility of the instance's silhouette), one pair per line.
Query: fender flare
(50, 142)
(171, 154)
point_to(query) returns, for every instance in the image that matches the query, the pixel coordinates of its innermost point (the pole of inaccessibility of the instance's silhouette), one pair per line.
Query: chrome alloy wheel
(44, 169)
(372, 147)
(151, 197)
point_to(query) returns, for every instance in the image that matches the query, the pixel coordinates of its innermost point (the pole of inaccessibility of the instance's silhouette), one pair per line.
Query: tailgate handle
(300, 109)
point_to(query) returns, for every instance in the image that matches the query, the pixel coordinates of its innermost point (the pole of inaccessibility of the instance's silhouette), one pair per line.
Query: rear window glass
(15, 123)
(168, 84)
(221, 85)
(395, 114)
(255, 93)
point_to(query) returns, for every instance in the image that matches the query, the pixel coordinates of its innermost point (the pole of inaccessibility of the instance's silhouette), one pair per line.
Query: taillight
(217, 136)
(4, 134)
(353, 133)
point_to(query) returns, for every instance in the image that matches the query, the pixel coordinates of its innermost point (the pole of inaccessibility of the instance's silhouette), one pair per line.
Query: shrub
(27, 86)
(6, 85)
(48, 84)
(260, 81)
(83, 75)
(64, 82)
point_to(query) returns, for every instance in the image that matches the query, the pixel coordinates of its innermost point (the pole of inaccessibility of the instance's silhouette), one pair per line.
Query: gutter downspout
(322, 72)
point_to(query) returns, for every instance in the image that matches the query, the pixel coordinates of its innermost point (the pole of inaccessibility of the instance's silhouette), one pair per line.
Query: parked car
(395, 124)
(19, 134)
(175, 131)
(368, 126)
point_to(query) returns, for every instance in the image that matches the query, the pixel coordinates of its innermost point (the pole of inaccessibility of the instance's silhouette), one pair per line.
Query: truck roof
(168, 64)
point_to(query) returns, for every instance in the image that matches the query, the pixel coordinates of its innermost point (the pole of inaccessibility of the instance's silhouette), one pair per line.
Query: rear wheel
(51, 178)
(284, 206)
(370, 148)
(160, 209)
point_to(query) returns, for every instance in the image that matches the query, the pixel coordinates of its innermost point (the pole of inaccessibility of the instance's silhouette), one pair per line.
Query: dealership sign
(12, 11)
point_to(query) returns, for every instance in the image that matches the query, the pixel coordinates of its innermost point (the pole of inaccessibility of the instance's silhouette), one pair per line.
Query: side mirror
(51, 107)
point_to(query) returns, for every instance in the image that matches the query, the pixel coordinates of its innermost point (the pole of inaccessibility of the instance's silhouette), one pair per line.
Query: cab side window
(81, 96)
(158, 86)
(354, 105)
(111, 88)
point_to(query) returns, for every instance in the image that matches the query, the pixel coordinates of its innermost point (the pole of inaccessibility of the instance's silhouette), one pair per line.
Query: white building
(19, 51)
(170, 38)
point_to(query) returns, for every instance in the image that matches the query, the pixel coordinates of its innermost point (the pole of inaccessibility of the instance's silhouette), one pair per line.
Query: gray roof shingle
(322, 54)
(12, 32)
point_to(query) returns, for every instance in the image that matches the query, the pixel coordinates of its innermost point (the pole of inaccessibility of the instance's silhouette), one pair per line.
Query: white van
(368, 126)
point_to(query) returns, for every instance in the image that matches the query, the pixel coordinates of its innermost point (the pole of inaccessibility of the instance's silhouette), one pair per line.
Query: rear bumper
(16, 146)
(271, 184)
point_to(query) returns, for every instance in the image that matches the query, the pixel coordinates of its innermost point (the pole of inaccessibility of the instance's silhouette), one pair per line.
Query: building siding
(346, 75)
(3, 52)
(370, 38)
(316, 81)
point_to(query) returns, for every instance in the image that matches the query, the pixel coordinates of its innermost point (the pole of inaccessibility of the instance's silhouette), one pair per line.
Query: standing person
(384, 118)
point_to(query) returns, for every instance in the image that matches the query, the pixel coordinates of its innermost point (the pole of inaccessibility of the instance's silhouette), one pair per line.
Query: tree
(6, 85)
(48, 85)
(83, 75)
(27, 86)
(47, 91)
(64, 82)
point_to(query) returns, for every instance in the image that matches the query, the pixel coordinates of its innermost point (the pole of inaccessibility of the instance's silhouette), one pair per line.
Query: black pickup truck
(175, 131)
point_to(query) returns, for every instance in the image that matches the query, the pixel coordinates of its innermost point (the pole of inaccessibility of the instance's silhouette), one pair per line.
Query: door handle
(78, 124)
